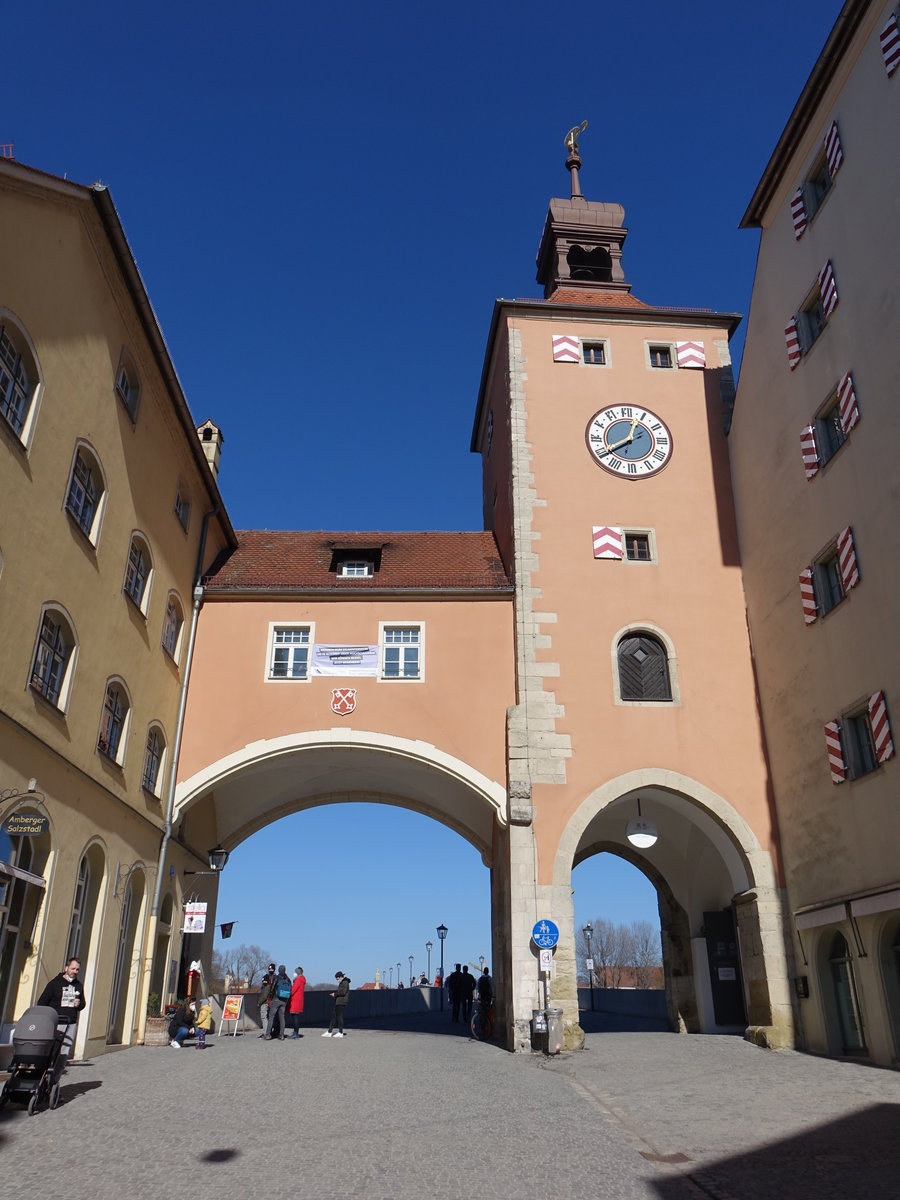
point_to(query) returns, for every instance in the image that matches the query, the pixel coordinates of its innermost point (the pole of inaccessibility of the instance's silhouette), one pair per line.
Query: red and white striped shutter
(828, 288)
(809, 452)
(608, 541)
(792, 341)
(798, 213)
(834, 155)
(847, 405)
(808, 595)
(847, 559)
(835, 752)
(890, 45)
(881, 727)
(566, 348)
(690, 354)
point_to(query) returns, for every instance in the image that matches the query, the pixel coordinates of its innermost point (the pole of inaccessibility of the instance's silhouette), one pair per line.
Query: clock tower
(601, 424)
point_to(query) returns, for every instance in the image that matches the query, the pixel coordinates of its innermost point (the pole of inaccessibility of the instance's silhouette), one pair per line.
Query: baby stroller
(36, 1063)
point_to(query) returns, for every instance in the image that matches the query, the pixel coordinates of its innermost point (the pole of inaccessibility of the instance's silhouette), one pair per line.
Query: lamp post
(442, 933)
(588, 932)
(428, 947)
(481, 960)
(399, 983)
(411, 958)
(391, 982)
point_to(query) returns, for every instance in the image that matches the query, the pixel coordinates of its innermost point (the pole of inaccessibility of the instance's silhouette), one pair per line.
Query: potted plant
(156, 1031)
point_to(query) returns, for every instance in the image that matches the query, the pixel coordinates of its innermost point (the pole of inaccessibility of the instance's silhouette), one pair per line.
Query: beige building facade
(815, 484)
(109, 505)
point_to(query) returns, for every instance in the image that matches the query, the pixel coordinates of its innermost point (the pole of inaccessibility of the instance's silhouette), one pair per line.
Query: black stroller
(36, 1063)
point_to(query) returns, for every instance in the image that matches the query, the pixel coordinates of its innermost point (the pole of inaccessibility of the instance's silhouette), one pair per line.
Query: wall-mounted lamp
(641, 831)
(217, 860)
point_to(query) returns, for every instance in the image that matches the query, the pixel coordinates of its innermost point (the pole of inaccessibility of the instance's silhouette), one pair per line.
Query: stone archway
(707, 858)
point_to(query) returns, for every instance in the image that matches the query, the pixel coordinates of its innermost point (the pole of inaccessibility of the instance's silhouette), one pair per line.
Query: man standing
(485, 987)
(265, 992)
(467, 986)
(280, 995)
(454, 990)
(65, 993)
(341, 996)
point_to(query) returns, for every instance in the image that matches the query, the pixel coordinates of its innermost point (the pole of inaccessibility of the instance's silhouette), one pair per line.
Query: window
(356, 568)
(127, 386)
(817, 186)
(183, 506)
(643, 668)
(811, 320)
(490, 429)
(858, 744)
(594, 353)
(154, 756)
(637, 547)
(138, 570)
(289, 651)
(114, 722)
(18, 379)
(830, 435)
(172, 626)
(86, 493)
(51, 670)
(79, 904)
(828, 581)
(660, 355)
(401, 647)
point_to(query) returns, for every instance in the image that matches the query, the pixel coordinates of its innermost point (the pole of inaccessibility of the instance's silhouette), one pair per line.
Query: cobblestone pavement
(394, 1113)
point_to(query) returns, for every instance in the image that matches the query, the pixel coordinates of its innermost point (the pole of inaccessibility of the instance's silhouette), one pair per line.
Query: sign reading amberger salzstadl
(344, 660)
(27, 824)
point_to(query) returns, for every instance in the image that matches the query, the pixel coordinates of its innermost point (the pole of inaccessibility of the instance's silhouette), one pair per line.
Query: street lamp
(442, 933)
(391, 981)
(399, 984)
(481, 960)
(588, 932)
(428, 947)
(411, 970)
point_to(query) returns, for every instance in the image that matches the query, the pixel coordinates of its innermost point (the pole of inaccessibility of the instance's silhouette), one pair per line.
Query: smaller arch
(115, 718)
(173, 627)
(21, 379)
(89, 880)
(843, 1016)
(889, 956)
(53, 659)
(139, 571)
(23, 914)
(86, 491)
(155, 753)
(128, 383)
(644, 661)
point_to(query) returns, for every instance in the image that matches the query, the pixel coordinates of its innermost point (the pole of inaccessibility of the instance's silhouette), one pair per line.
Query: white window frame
(65, 688)
(25, 347)
(156, 789)
(86, 451)
(274, 628)
(383, 626)
(143, 545)
(809, 329)
(119, 757)
(182, 505)
(595, 341)
(368, 573)
(175, 652)
(127, 385)
(660, 343)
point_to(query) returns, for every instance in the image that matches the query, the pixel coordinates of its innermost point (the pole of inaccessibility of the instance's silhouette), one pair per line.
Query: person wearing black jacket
(341, 996)
(65, 993)
(467, 987)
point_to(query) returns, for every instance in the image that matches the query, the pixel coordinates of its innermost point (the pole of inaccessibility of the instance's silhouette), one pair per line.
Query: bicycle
(482, 1023)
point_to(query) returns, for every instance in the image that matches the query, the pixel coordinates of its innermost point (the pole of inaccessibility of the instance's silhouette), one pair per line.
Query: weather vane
(572, 137)
(573, 162)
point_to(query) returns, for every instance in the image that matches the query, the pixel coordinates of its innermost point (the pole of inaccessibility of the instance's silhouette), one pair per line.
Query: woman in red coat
(295, 1004)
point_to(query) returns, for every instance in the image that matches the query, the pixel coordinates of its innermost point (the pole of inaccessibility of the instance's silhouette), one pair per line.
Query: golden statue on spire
(571, 139)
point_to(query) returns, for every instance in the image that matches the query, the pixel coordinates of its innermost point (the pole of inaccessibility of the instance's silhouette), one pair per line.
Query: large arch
(707, 859)
(331, 766)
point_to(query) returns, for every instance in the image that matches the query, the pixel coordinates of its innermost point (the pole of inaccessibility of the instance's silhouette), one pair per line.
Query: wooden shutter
(690, 354)
(890, 45)
(809, 452)
(798, 213)
(835, 752)
(566, 348)
(792, 340)
(808, 595)
(608, 541)
(828, 288)
(881, 727)
(847, 405)
(847, 559)
(834, 155)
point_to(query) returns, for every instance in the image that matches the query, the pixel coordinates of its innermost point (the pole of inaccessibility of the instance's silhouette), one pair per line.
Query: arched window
(128, 386)
(138, 572)
(20, 380)
(643, 668)
(112, 738)
(86, 493)
(172, 626)
(23, 862)
(154, 761)
(52, 666)
(84, 902)
(845, 1003)
(890, 969)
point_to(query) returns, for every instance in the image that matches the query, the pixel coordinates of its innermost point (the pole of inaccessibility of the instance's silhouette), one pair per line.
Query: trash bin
(555, 1035)
(539, 1030)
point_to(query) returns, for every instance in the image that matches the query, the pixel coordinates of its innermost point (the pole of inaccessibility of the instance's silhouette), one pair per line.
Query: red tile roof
(598, 298)
(290, 561)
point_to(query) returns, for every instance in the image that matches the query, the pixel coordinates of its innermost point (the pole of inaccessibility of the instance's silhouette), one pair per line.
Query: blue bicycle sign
(545, 935)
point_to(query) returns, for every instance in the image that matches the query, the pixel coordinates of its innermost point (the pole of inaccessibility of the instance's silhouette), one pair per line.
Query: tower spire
(573, 162)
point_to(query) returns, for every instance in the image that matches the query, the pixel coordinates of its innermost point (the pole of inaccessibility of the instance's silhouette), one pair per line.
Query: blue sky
(324, 203)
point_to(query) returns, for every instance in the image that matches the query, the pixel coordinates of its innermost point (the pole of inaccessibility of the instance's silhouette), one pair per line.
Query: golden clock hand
(622, 441)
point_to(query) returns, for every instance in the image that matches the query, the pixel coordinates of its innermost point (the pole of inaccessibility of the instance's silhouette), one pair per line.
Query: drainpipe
(149, 944)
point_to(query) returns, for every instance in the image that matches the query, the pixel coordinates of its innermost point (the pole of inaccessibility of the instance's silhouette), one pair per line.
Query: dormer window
(356, 568)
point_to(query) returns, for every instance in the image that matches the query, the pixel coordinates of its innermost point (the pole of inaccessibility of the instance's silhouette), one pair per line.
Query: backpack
(282, 988)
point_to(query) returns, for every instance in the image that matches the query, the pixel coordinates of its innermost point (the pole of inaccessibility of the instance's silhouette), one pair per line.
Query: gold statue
(571, 140)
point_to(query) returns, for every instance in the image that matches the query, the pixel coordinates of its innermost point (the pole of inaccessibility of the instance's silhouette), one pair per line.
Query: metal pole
(442, 974)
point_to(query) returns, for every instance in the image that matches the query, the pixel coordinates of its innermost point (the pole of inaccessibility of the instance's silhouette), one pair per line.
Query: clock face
(628, 440)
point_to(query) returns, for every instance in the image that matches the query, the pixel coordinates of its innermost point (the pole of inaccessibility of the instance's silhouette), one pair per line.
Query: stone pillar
(767, 965)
